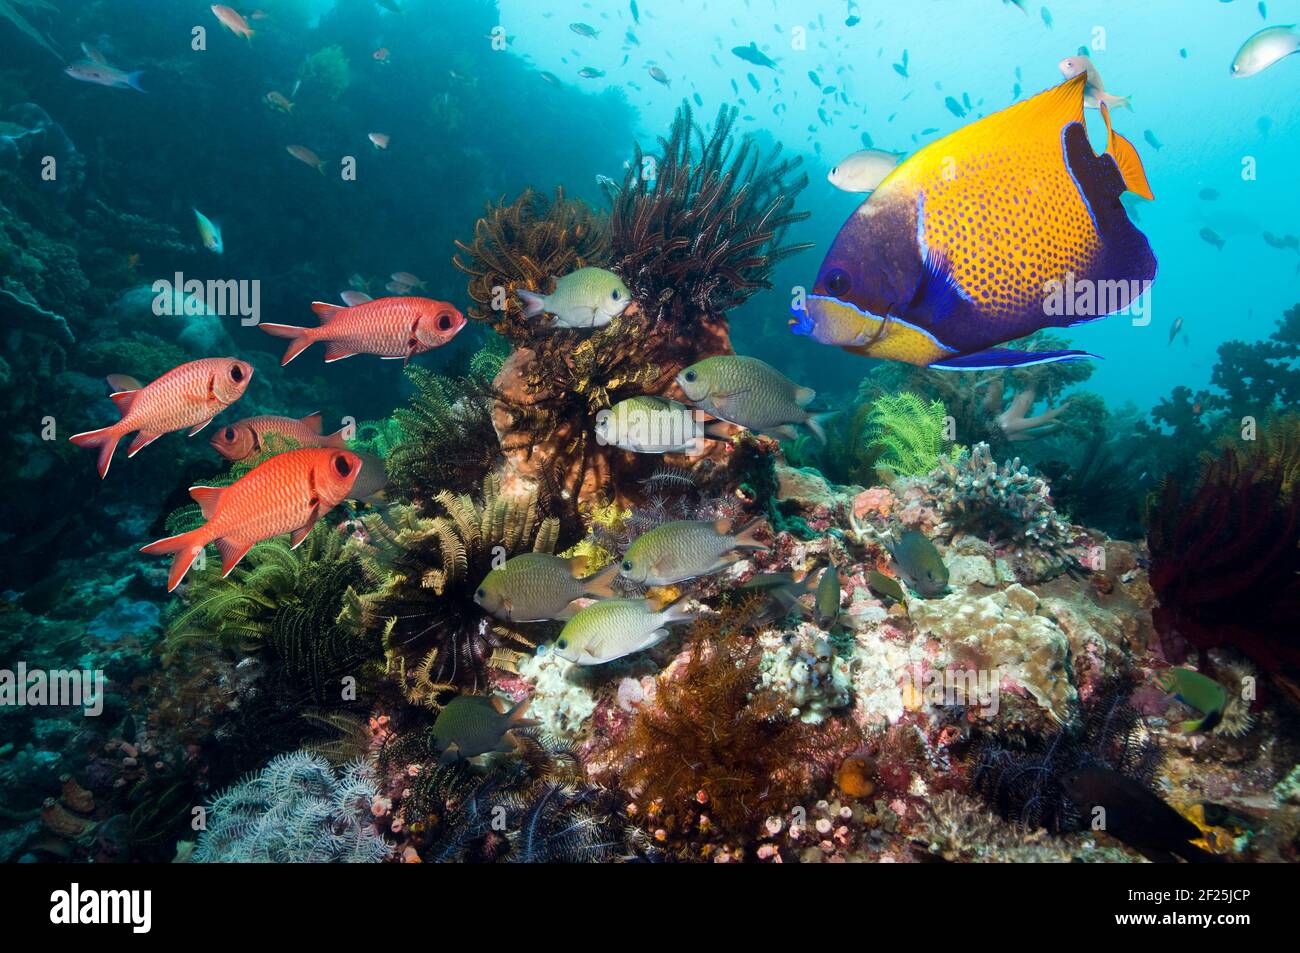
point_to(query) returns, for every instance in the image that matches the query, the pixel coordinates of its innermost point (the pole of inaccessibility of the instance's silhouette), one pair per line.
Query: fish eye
(561, 643)
(444, 322)
(236, 373)
(690, 376)
(230, 433)
(627, 565)
(481, 594)
(615, 294)
(342, 466)
(838, 281)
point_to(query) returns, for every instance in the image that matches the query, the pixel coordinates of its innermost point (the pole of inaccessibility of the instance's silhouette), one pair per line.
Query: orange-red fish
(232, 20)
(248, 436)
(303, 154)
(286, 494)
(186, 396)
(389, 327)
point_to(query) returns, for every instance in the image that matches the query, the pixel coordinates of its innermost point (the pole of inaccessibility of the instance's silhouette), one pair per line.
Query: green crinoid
(421, 573)
(910, 430)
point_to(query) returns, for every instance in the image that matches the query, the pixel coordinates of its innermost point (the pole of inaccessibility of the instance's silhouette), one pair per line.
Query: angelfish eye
(342, 466)
(838, 281)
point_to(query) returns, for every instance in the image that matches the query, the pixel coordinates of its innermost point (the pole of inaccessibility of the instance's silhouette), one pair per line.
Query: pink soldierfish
(388, 327)
(232, 20)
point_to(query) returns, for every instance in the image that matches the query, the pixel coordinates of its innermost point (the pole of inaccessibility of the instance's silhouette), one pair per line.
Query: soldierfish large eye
(230, 433)
(444, 322)
(342, 466)
(838, 281)
(236, 373)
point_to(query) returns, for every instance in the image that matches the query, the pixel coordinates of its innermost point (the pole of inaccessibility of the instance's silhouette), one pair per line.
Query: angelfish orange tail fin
(299, 339)
(105, 439)
(186, 548)
(1127, 159)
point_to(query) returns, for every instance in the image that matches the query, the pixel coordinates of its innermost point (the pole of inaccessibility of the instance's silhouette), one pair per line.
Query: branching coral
(422, 575)
(699, 227)
(977, 496)
(910, 430)
(298, 810)
(1225, 559)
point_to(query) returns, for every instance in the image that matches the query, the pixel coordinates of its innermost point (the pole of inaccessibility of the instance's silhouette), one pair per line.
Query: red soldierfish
(389, 327)
(286, 494)
(248, 436)
(102, 74)
(233, 21)
(186, 396)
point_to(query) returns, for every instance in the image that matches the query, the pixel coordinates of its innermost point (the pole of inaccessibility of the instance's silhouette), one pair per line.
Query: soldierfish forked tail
(105, 439)
(185, 546)
(300, 339)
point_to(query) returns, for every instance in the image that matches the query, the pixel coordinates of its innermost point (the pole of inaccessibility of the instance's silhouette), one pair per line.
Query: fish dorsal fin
(1127, 159)
(312, 422)
(803, 396)
(207, 497)
(123, 382)
(326, 312)
(1045, 114)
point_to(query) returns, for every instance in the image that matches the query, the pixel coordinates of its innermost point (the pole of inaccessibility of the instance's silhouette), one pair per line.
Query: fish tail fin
(747, 536)
(105, 439)
(600, 585)
(336, 439)
(184, 549)
(716, 430)
(817, 424)
(674, 609)
(133, 80)
(534, 304)
(1126, 159)
(299, 338)
(515, 716)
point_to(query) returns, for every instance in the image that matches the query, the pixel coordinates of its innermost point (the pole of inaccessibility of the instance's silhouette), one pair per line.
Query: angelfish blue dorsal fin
(998, 357)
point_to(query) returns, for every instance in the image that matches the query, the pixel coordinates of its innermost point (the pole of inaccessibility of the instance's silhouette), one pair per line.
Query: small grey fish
(685, 549)
(749, 393)
(887, 586)
(608, 630)
(827, 602)
(919, 564)
(536, 587)
(647, 424)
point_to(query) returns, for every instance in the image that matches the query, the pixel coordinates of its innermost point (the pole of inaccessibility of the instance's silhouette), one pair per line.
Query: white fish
(863, 170)
(586, 298)
(1094, 93)
(1264, 49)
(210, 232)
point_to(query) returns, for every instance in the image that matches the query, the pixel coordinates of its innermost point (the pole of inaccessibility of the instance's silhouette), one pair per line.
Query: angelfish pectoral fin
(1006, 357)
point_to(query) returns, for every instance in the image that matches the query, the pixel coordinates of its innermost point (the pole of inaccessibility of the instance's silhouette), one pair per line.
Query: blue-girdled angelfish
(1006, 226)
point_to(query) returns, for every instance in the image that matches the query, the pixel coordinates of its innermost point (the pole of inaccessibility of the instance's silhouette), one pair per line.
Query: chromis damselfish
(749, 393)
(647, 424)
(887, 586)
(1196, 691)
(471, 725)
(685, 549)
(988, 234)
(919, 564)
(827, 602)
(1264, 49)
(613, 628)
(209, 232)
(536, 587)
(586, 298)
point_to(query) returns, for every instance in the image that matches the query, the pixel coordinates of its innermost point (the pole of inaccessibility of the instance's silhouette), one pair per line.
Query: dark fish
(1209, 195)
(471, 725)
(752, 54)
(883, 585)
(1150, 137)
(904, 283)
(919, 564)
(1135, 816)
(1211, 236)
(827, 602)
(636, 14)
(954, 107)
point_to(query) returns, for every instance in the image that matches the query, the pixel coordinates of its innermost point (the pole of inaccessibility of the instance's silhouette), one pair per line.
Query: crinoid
(446, 440)
(283, 603)
(910, 430)
(525, 244)
(422, 575)
(698, 228)
(1225, 559)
